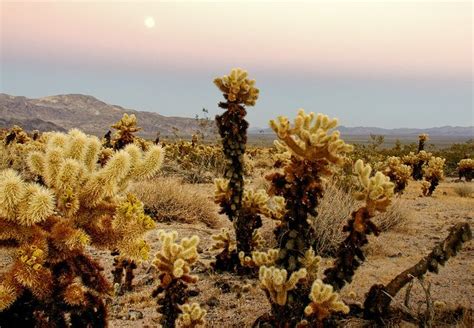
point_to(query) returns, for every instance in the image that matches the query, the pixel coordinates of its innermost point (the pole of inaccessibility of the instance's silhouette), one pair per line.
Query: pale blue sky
(385, 64)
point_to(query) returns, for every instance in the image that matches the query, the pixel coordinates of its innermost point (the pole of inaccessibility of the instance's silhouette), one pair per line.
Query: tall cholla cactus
(398, 173)
(421, 158)
(126, 127)
(174, 261)
(80, 204)
(466, 169)
(239, 91)
(314, 150)
(433, 172)
(376, 192)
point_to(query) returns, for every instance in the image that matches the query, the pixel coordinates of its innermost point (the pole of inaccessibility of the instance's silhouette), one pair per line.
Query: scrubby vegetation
(298, 219)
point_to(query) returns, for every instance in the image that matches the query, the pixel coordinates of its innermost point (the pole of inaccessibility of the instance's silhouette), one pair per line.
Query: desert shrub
(170, 199)
(333, 209)
(194, 163)
(464, 189)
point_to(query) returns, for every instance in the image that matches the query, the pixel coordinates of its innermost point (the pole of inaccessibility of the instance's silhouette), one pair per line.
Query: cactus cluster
(174, 263)
(398, 173)
(466, 169)
(75, 204)
(314, 150)
(433, 173)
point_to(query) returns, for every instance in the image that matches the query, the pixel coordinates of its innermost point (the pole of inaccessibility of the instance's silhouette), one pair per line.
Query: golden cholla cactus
(259, 258)
(398, 173)
(376, 191)
(423, 137)
(311, 263)
(78, 204)
(223, 241)
(433, 173)
(174, 261)
(276, 283)
(324, 301)
(466, 169)
(126, 127)
(310, 137)
(435, 168)
(192, 316)
(237, 87)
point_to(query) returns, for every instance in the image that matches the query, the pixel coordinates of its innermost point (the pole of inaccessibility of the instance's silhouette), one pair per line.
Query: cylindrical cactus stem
(379, 297)
(233, 131)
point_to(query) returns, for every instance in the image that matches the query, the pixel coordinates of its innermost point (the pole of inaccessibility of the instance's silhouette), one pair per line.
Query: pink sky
(340, 38)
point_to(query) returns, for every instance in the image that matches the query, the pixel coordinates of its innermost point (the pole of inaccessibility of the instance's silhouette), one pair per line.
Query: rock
(134, 315)
(212, 301)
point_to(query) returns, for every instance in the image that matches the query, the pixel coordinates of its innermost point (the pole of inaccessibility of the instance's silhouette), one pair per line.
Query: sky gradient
(387, 64)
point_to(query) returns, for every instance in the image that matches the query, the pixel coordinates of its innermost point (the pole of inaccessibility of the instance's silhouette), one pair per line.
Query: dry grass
(169, 199)
(464, 189)
(336, 207)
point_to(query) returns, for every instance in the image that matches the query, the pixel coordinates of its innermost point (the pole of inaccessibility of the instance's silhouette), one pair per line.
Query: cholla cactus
(433, 173)
(398, 173)
(466, 169)
(311, 140)
(79, 204)
(276, 283)
(192, 316)
(174, 261)
(258, 258)
(376, 192)
(126, 127)
(324, 301)
(314, 150)
(238, 91)
(237, 88)
(416, 161)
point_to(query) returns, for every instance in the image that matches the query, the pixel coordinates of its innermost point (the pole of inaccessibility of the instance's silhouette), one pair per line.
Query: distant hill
(91, 115)
(63, 112)
(444, 131)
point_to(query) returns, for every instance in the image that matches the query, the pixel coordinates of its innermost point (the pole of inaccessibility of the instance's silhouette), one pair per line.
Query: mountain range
(63, 112)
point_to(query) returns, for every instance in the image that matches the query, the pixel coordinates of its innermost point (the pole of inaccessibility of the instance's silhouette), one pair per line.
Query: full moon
(149, 22)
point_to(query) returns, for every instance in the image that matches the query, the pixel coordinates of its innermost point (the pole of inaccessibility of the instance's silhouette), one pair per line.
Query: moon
(149, 22)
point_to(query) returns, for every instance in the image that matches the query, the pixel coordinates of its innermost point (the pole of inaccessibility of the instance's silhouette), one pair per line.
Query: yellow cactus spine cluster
(324, 301)
(126, 127)
(174, 262)
(398, 173)
(259, 259)
(277, 284)
(376, 191)
(192, 316)
(310, 137)
(237, 87)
